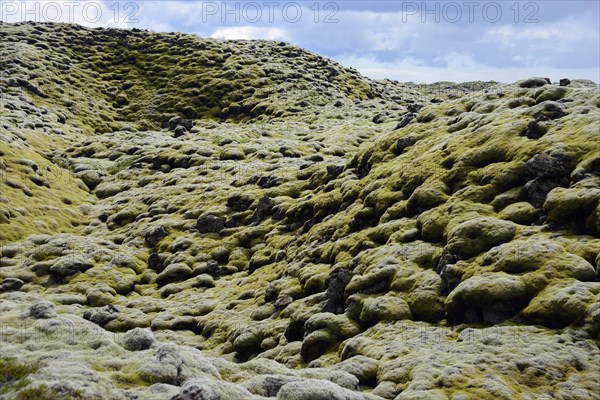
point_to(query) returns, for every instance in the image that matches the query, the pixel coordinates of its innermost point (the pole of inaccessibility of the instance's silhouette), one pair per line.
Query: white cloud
(460, 67)
(170, 16)
(557, 36)
(250, 32)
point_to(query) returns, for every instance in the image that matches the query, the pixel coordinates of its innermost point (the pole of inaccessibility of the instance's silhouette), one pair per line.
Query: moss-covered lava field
(196, 219)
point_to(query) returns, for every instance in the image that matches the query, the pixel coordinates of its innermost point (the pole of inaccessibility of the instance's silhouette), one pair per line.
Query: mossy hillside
(451, 189)
(81, 84)
(104, 78)
(38, 196)
(405, 268)
(319, 239)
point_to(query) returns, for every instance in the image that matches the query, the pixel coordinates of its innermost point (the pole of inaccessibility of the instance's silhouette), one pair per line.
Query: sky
(418, 41)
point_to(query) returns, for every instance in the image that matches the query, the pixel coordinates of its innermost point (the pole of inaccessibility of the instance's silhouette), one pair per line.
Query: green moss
(45, 393)
(11, 372)
(14, 381)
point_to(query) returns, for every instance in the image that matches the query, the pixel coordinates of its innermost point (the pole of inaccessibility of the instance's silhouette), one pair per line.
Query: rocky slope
(184, 218)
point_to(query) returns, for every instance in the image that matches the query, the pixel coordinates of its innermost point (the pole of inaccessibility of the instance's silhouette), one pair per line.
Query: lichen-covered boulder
(383, 308)
(376, 281)
(324, 330)
(551, 259)
(475, 236)
(363, 368)
(592, 319)
(174, 272)
(565, 204)
(42, 309)
(138, 339)
(522, 213)
(489, 297)
(547, 110)
(210, 223)
(315, 389)
(202, 388)
(108, 189)
(174, 365)
(426, 197)
(425, 299)
(552, 93)
(91, 178)
(10, 284)
(369, 310)
(268, 385)
(100, 295)
(562, 303)
(68, 266)
(534, 82)
(336, 285)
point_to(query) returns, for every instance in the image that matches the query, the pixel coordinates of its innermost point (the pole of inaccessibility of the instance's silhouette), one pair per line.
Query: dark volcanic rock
(404, 143)
(565, 82)
(549, 172)
(210, 223)
(155, 235)
(155, 262)
(548, 166)
(10, 284)
(176, 122)
(405, 121)
(534, 130)
(336, 284)
(263, 209)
